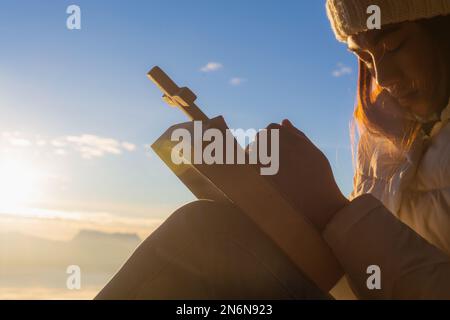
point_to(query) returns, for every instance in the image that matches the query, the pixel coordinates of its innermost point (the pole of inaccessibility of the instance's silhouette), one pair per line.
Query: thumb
(288, 125)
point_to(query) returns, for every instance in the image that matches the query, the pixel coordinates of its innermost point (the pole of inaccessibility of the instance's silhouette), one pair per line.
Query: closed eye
(394, 41)
(395, 47)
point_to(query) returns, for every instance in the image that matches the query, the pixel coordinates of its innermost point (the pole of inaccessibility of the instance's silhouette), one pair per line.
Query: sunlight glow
(19, 183)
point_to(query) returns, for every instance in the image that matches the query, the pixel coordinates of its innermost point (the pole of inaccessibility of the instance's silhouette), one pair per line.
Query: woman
(398, 216)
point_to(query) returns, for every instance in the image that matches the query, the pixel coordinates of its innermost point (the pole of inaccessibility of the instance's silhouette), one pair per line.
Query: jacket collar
(445, 117)
(445, 114)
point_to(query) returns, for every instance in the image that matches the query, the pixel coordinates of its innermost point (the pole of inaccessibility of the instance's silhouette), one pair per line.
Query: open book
(247, 189)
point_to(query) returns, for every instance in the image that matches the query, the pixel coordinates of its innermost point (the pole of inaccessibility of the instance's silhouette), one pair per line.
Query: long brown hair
(379, 113)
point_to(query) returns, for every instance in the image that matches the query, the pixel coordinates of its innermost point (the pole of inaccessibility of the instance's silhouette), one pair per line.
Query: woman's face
(405, 61)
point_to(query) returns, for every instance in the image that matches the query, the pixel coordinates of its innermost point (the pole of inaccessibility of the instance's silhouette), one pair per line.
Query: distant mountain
(94, 235)
(25, 258)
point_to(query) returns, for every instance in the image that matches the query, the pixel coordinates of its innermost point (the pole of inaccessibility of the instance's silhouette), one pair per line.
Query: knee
(194, 207)
(206, 215)
(192, 221)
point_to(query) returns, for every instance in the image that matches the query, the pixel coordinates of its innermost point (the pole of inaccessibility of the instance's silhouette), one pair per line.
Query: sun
(19, 183)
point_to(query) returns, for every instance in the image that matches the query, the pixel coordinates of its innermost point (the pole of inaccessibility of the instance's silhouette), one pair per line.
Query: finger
(255, 142)
(286, 123)
(272, 126)
(288, 126)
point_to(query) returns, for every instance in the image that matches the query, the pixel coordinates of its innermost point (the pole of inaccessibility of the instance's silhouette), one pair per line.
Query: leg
(207, 250)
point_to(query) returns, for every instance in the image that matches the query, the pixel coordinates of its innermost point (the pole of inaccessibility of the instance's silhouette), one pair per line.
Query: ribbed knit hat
(349, 17)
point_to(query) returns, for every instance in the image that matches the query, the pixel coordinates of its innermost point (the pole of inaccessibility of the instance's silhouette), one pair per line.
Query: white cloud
(60, 152)
(128, 146)
(341, 70)
(15, 139)
(41, 142)
(211, 66)
(59, 143)
(237, 81)
(92, 146)
(18, 142)
(87, 145)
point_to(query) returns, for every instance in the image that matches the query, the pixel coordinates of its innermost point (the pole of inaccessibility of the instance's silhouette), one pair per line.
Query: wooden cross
(183, 98)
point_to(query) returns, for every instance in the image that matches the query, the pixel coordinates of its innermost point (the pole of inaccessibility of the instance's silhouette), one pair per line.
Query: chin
(423, 112)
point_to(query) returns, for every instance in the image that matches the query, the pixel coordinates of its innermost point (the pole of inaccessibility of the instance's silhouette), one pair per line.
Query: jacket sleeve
(365, 234)
(433, 225)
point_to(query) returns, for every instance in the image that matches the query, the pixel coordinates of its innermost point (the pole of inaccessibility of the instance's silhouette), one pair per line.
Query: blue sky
(91, 84)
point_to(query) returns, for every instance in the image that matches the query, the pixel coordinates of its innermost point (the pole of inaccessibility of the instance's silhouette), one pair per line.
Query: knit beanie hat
(349, 17)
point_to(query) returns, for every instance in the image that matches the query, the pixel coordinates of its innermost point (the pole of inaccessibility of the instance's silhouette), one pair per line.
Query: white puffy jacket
(415, 186)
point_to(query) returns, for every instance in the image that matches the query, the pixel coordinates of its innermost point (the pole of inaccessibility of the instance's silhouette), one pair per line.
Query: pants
(207, 250)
